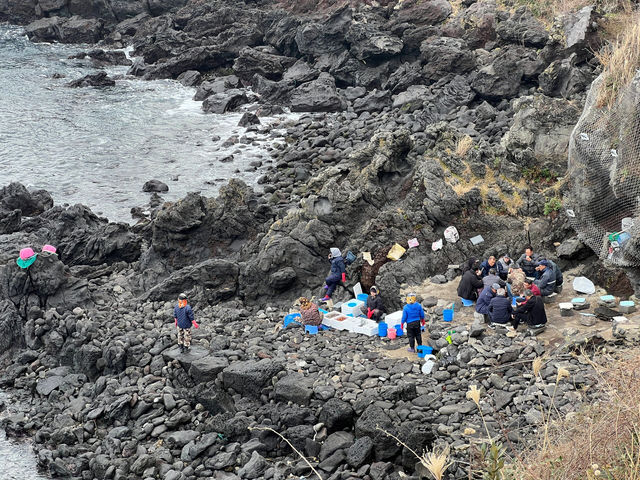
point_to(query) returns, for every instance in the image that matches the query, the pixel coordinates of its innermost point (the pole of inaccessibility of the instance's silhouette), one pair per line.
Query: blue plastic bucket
(382, 329)
(447, 315)
(399, 330)
(363, 297)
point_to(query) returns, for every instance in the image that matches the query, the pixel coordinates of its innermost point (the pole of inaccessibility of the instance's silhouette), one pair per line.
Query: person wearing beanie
(505, 264)
(183, 318)
(337, 274)
(413, 317)
(374, 308)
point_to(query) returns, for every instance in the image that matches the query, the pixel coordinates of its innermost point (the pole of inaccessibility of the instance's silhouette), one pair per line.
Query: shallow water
(98, 146)
(17, 460)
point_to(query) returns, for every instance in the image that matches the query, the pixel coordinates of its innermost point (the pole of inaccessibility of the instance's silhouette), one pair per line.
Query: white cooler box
(352, 307)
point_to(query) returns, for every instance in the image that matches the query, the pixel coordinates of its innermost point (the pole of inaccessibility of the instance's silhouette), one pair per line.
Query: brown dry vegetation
(620, 61)
(600, 442)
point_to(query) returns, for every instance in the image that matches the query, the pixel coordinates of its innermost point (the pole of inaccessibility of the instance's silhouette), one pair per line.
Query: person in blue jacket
(546, 281)
(337, 274)
(500, 309)
(413, 317)
(487, 265)
(183, 317)
(484, 300)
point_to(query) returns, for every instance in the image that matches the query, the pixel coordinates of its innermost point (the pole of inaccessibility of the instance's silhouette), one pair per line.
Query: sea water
(98, 146)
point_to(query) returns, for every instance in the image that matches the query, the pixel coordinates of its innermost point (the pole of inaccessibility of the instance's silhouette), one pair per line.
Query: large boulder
(373, 423)
(83, 238)
(182, 231)
(224, 102)
(295, 387)
(252, 61)
(522, 28)
(317, 96)
(212, 280)
(100, 79)
(421, 12)
(367, 42)
(65, 30)
(500, 77)
(563, 79)
(16, 197)
(540, 132)
(48, 283)
(203, 59)
(10, 325)
(250, 377)
(326, 37)
(443, 55)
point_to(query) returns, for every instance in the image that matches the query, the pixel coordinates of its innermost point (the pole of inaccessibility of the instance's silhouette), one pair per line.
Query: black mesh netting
(603, 199)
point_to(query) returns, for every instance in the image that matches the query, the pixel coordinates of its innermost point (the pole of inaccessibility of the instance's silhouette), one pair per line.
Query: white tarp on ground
(584, 285)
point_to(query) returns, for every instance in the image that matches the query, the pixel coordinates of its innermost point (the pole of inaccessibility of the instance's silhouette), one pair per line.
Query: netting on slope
(603, 199)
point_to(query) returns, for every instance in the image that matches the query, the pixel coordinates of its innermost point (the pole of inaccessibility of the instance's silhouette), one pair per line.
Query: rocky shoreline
(413, 116)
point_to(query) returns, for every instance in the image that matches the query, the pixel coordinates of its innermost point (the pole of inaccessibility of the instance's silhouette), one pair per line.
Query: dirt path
(559, 328)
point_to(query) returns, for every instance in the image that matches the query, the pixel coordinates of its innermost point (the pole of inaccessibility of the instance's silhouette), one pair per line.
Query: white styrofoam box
(357, 289)
(353, 307)
(360, 325)
(394, 318)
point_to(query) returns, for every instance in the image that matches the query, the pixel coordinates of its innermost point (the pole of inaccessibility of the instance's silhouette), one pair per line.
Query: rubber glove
(423, 322)
(369, 313)
(344, 277)
(195, 324)
(176, 320)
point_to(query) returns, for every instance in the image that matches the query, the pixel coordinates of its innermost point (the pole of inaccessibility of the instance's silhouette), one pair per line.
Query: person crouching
(374, 308)
(309, 312)
(183, 317)
(413, 317)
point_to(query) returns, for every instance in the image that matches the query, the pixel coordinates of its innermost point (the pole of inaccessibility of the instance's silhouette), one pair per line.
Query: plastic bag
(451, 234)
(396, 252)
(435, 246)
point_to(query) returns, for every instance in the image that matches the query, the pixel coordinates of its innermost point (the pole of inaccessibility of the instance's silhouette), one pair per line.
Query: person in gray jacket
(528, 262)
(547, 281)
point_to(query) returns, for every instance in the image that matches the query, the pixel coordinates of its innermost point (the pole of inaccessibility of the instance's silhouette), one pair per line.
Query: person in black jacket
(471, 264)
(374, 308)
(531, 311)
(469, 284)
(500, 308)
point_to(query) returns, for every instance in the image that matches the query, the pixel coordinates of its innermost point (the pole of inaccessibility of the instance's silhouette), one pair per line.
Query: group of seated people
(494, 283)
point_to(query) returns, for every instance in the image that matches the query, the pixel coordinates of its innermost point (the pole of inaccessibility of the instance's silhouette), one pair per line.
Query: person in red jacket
(529, 285)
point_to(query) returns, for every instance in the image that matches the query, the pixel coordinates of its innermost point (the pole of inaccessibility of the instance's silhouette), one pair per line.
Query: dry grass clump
(463, 146)
(620, 61)
(436, 462)
(601, 442)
